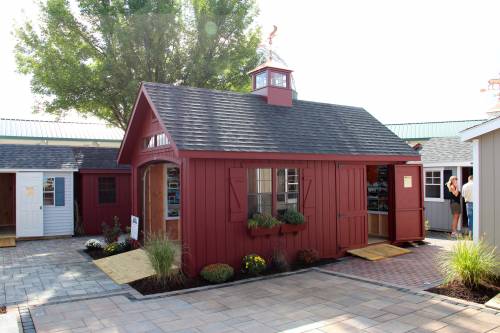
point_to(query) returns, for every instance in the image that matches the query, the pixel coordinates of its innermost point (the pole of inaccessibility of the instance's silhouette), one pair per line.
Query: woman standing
(455, 203)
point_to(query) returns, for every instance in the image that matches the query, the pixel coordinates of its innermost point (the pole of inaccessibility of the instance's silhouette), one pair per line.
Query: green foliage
(111, 249)
(469, 263)
(279, 262)
(292, 216)
(253, 264)
(307, 257)
(91, 55)
(161, 253)
(262, 221)
(217, 273)
(111, 233)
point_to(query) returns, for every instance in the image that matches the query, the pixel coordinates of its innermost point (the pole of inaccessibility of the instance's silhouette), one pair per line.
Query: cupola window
(278, 79)
(261, 80)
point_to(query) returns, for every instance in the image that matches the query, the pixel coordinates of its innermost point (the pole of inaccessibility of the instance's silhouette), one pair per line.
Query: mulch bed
(95, 253)
(481, 294)
(149, 285)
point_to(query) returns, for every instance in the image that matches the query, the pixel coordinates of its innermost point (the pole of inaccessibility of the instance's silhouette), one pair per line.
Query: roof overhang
(296, 156)
(106, 171)
(481, 129)
(36, 170)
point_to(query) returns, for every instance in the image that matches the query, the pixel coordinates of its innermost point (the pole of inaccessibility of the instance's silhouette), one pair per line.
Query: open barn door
(408, 203)
(352, 225)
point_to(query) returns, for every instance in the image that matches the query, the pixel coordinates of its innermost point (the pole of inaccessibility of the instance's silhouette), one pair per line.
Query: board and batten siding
(58, 220)
(489, 188)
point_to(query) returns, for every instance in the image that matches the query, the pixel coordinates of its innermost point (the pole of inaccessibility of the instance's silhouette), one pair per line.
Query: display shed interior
(204, 161)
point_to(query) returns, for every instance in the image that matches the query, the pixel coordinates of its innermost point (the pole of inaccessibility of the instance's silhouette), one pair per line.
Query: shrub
(111, 233)
(125, 245)
(161, 253)
(217, 273)
(111, 249)
(469, 263)
(291, 216)
(263, 220)
(279, 261)
(93, 244)
(307, 257)
(253, 264)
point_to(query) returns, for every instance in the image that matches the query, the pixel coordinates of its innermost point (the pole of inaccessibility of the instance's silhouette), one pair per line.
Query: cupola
(272, 80)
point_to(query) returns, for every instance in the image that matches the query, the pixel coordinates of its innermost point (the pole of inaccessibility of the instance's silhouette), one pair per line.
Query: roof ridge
(436, 122)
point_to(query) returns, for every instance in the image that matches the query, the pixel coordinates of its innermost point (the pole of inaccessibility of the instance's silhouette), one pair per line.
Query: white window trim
(53, 192)
(441, 189)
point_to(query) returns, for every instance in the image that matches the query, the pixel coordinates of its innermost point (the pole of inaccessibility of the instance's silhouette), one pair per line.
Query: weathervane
(494, 86)
(270, 41)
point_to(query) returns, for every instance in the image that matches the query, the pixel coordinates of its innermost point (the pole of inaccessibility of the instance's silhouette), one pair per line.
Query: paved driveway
(38, 271)
(307, 302)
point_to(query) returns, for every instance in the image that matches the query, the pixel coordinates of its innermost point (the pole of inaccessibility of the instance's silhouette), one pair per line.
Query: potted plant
(263, 224)
(294, 222)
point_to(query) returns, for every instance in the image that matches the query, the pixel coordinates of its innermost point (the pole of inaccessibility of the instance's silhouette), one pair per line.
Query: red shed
(102, 188)
(203, 161)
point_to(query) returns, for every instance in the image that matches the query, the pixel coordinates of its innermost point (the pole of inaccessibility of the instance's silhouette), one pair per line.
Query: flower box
(292, 228)
(259, 232)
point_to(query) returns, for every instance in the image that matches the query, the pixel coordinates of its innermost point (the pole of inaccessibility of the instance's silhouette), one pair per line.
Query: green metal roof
(57, 130)
(427, 130)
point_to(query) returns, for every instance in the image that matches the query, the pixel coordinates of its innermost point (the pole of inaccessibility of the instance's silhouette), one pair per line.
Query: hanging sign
(407, 183)
(134, 227)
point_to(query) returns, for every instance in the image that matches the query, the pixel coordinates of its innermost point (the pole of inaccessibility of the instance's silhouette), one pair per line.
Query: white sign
(407, 181)
(134, 227)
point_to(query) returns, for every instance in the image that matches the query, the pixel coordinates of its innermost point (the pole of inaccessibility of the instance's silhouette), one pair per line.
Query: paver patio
(306, 302)
(415, 270)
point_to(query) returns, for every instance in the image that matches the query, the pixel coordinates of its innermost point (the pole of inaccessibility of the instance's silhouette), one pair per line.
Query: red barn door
(352, 216)
(408, 203)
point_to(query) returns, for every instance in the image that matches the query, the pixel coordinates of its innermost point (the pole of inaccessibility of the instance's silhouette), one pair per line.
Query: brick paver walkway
(415, 270)
(306, 302)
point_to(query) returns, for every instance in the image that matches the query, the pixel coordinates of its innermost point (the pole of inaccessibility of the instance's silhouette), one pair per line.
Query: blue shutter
(59, 191)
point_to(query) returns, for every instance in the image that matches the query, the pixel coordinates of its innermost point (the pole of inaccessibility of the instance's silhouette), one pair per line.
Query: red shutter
(237, 195)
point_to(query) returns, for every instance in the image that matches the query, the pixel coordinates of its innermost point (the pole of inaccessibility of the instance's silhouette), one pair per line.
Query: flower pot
(292, 228)
(260, 232)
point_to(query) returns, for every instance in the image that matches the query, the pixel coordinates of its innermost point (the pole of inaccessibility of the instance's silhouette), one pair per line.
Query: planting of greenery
(217, 273)
(253, 264)
(161, 253)
(279, 262)
(262, 221)
(307, 257)
(111, 233)
(112, 249)
(469, 263)
(125, 245)
(292, 216)
(93, 244)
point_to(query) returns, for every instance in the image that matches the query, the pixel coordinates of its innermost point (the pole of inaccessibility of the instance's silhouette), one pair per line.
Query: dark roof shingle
(36, 157)
(97, 158)
(446, 150)
(210, 120)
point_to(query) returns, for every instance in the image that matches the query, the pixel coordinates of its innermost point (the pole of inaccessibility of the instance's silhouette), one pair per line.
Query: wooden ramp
(378, 252)
(7, 236)
(494, 303)
(126, 267)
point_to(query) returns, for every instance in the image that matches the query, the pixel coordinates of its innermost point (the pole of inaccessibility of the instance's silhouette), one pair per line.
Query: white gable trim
(481, 129)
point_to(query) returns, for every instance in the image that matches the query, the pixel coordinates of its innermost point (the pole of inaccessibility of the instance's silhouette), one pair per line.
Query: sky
(402, 60)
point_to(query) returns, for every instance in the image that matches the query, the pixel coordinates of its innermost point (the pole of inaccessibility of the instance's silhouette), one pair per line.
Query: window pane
(428, 174)
(278, 79)
(48, 198)
(259, 191)
(107, 189)
(261, 80)
(48, 184)
(432, 191)
(287, 195)
(162, 140)
(260, 203)
(149, 142)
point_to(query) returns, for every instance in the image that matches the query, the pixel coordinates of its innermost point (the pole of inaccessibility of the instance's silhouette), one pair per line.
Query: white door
(29, 204)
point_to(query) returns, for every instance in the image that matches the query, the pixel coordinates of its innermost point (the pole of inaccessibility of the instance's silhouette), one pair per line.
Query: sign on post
(134, 227)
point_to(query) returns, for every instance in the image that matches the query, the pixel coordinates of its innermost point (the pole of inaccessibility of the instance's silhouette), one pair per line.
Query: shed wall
(489, 188)
(58, 220)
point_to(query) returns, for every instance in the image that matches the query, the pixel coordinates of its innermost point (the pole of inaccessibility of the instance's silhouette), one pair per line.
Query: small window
(433, 184)
(287, 190)
(162, 140)
(107, 190)
(278, 79)
(49, 188)
(260, 191)
(261, 80)
(149, 142)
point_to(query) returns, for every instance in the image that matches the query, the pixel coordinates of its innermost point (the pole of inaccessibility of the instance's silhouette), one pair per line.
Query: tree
(91, 55)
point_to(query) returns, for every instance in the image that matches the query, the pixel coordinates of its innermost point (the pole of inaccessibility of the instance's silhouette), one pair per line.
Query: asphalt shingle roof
(97, 158)
(36, 157)
(446, 150)
(203, 119)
